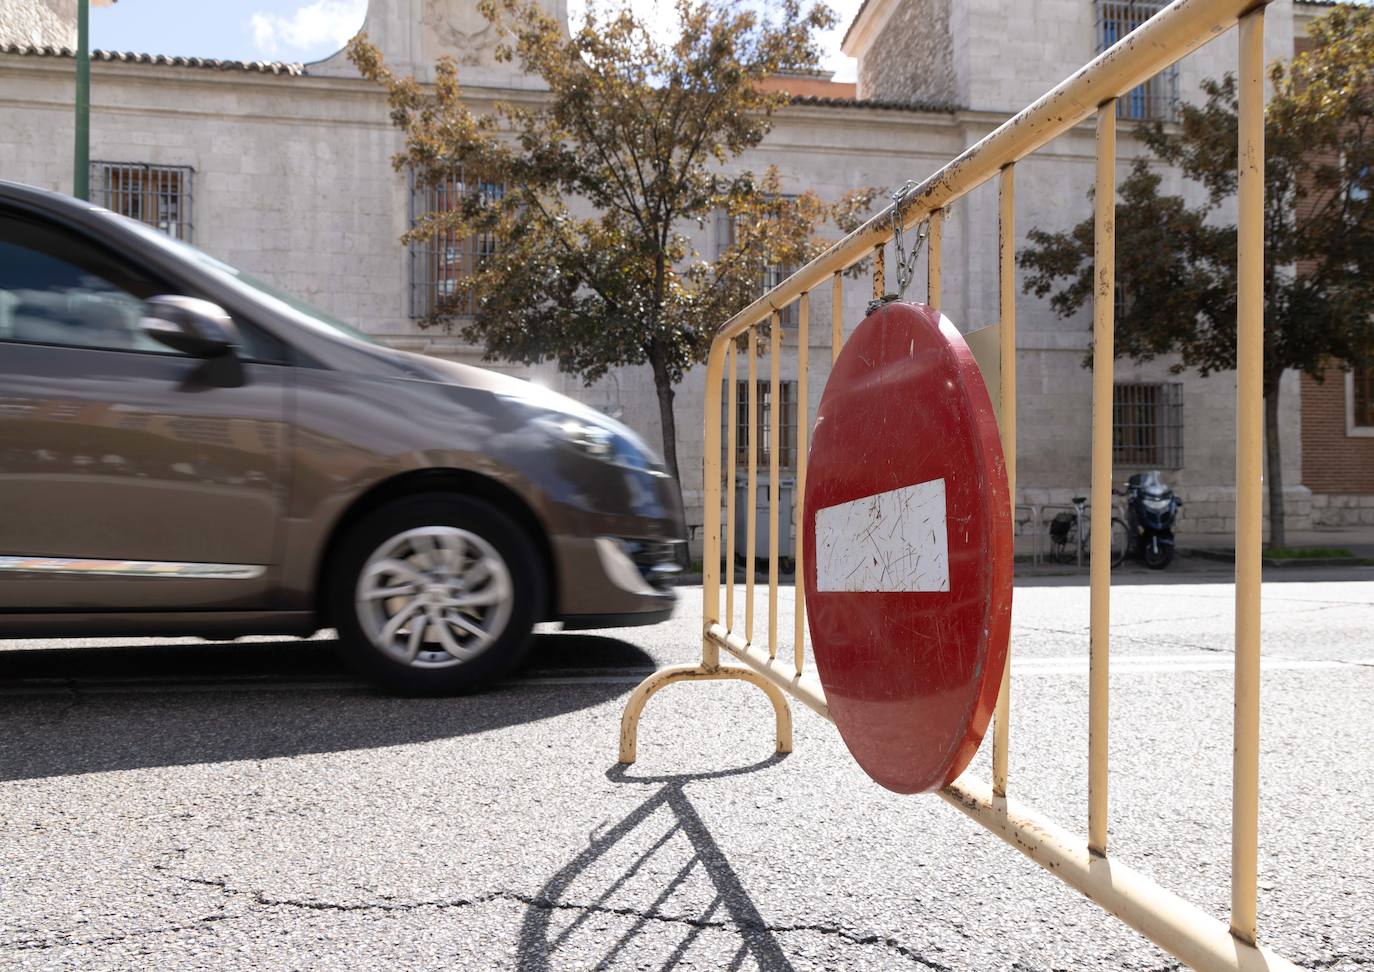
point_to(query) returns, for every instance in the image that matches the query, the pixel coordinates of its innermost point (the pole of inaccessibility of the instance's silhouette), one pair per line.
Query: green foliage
(628, 146)
(1176, 262)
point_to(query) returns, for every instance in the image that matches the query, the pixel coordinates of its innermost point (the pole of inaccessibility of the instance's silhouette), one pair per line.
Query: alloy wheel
(434, 597)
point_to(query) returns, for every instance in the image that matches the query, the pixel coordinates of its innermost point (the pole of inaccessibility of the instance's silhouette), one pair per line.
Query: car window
(69, 299)
(59, 289)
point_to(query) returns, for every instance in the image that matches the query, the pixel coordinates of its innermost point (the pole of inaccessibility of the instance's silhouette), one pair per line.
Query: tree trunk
(663, 385)
(1274, 470)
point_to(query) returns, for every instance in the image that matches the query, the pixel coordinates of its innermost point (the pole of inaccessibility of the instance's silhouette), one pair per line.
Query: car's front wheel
(436, 594)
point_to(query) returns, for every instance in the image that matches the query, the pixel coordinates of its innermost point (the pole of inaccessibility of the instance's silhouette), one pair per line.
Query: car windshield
(188, 252)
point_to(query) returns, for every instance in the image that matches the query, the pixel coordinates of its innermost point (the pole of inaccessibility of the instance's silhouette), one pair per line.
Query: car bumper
(610, 581)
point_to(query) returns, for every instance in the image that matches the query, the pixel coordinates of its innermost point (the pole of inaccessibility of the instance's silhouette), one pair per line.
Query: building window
(441, 266)
(159, 195)
(787, 443)
(1157, 98)
(1361, 398)
(1147, 425)
(772, 275)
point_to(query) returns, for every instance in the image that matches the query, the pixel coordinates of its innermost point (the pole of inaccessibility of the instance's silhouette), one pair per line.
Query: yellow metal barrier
(1171, 922)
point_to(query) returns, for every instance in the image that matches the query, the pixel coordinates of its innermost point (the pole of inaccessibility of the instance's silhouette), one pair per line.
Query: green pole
(81, 175)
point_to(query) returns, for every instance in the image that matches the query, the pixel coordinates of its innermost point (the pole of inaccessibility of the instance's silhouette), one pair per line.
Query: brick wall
(1332, 461)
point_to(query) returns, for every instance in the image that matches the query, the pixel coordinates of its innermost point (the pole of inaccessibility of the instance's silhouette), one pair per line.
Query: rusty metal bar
(751, 502)
(1006, 299)
(731, 460)
(799, 482)
(1104, 293)
(1176, 31)
(806, 689)
(880, 271)
(1174, 924)
(1180, 28)
(934, 241)
(774, 447)
(1249, 474)
(836, 314)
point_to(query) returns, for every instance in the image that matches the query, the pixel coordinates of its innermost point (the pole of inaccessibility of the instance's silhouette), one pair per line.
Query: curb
(1229, 557)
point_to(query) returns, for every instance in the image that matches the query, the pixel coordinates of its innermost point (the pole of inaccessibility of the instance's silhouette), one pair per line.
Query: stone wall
(40, 23)
(1207, 510)
(912, 60)
(1333, 510)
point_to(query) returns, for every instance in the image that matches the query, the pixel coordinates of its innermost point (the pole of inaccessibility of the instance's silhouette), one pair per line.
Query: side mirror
(191, 326)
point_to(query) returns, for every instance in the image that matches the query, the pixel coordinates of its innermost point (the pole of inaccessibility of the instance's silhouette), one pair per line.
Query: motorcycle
(1151, 508)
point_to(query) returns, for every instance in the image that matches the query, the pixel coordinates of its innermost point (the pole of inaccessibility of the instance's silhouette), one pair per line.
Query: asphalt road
(185, 806)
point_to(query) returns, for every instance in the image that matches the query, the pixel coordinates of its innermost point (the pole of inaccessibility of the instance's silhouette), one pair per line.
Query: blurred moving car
(186, 451)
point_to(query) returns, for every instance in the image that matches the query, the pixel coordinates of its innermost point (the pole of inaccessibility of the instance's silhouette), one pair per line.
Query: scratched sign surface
(908, 549)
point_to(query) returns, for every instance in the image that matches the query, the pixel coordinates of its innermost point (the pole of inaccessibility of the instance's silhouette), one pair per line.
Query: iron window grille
(158, 195)
(1362, 390)
(787, 442)
(1147, 425)
(1157, 98)
(772, 275)
(441, 266)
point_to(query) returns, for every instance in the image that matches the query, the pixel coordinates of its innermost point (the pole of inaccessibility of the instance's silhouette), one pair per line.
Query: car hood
(420, 367)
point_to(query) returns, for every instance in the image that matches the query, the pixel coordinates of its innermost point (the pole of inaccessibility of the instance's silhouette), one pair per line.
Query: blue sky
(299, 30)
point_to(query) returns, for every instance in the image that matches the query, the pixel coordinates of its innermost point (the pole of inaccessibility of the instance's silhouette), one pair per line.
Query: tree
(1176, 264)
(627, 147)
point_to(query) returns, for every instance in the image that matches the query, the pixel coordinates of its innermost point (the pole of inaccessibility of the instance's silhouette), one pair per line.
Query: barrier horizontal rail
(1170, 921)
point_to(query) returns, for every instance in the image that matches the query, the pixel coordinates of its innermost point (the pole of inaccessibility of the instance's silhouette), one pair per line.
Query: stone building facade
(287, 174)
(38, 23)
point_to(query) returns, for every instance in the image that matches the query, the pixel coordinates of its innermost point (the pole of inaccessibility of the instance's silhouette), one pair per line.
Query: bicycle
(1069, 544)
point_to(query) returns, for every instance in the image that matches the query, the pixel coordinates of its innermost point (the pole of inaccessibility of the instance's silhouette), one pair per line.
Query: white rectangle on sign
(890, 542)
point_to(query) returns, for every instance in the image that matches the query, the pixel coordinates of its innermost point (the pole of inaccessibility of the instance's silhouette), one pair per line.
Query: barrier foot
(634, 705)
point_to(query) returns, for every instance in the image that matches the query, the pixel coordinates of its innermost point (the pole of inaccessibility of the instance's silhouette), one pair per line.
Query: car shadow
(70, 711)
(664, 835)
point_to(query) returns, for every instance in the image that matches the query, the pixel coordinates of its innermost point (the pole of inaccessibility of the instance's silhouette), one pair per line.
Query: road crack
(261, 899)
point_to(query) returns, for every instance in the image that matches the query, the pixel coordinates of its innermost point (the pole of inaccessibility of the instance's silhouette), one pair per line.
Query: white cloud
(314, 29)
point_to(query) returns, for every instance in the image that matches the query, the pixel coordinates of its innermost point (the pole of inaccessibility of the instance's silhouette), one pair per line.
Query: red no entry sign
(908, 549)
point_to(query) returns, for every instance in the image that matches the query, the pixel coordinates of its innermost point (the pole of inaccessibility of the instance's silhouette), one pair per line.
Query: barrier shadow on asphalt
(70, 711)
(685, 851)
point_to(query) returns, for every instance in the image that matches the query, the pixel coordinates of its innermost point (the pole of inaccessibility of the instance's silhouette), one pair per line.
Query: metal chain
(906, 263)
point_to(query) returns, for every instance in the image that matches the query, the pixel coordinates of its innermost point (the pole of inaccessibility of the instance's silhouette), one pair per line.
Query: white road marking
(888, 542)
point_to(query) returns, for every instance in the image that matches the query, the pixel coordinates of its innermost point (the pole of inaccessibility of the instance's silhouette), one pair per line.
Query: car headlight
(591, 440)
(598, 442)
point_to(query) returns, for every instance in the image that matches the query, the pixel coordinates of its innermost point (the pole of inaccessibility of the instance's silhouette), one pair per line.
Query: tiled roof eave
(874, 104)
(131, 57)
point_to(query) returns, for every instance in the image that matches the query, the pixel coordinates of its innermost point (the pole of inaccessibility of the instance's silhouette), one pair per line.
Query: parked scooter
(1151, 508)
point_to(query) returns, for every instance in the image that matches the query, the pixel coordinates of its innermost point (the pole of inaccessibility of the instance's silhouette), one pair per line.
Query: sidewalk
(1358, 540)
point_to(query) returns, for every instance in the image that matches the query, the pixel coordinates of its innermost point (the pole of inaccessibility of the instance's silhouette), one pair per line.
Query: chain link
(906, 263)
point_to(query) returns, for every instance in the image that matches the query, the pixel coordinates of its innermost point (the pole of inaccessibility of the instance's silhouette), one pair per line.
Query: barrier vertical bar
(1249, 496)
(933, 257)
(1006, 297)
(879, 271)
(752, 500)
(836, 314)
(774, 441)
(731, 459)
(799, 482)
(710, 581)
(1104, 293)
